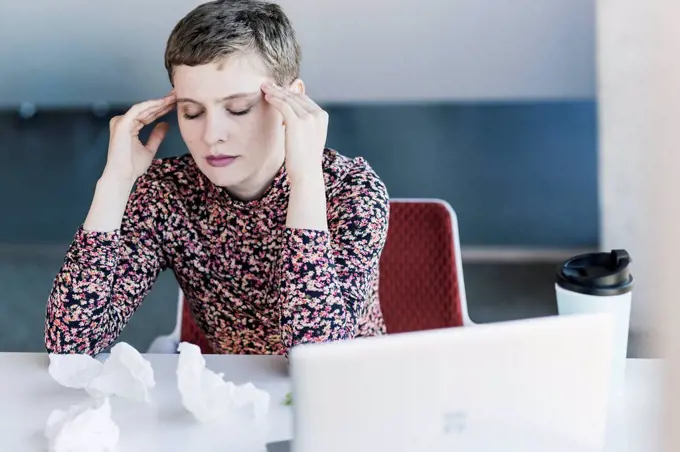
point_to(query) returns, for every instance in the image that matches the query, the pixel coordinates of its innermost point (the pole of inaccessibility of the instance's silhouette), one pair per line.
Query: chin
(223, 177)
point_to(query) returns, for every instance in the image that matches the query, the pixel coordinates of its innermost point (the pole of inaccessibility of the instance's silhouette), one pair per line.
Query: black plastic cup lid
(602, 274)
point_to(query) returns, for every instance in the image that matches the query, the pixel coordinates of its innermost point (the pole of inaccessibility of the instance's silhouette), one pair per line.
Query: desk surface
(28, 394)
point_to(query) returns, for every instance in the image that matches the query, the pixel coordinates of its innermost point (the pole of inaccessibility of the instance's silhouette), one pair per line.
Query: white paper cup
(600, 283)
(618, 306)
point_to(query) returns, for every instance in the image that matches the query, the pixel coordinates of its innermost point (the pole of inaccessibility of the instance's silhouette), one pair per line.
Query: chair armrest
(164, 344)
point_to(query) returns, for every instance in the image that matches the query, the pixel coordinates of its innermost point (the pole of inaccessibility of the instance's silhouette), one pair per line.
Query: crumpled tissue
(87, 427)
(125, 373)
(207, 396)
(74, 371)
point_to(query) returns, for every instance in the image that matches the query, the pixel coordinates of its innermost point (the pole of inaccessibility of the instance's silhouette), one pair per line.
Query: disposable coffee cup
(600, 283)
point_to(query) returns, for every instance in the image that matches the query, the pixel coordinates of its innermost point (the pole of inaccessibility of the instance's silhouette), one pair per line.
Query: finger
(150, 116)
(299, 104)
(309, 105)
(138, 123)
(157, 135)
(136, 110)
(292, 103)
(153, 114)
(287, 96)
(282, 106)
(299, 99)
(139, 109)
(164, 111)
(114, 121)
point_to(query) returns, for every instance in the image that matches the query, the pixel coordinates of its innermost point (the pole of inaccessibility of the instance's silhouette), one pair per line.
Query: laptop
(529, 385)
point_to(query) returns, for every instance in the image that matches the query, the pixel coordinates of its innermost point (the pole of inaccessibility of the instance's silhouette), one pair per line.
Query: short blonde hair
(215, 30)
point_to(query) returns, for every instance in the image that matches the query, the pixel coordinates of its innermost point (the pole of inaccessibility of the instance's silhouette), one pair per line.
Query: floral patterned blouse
(254, 286)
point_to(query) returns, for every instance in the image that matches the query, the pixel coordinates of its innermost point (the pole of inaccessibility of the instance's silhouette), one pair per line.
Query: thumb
(157, 135)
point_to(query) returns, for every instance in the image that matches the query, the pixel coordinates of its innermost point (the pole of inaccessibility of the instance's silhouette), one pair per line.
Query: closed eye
(231, 112)
(240, 113)
(188, 116)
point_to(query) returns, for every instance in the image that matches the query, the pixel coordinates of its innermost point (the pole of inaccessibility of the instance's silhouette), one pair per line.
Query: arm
(109, 268)
(324, 276)
(326, 267)
(307, 202)
(306, 125)
(105, 276)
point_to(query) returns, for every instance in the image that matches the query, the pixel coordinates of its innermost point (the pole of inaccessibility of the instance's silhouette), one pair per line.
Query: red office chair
(421, 272)
(186, 329)
(421, 275)
(191, 332)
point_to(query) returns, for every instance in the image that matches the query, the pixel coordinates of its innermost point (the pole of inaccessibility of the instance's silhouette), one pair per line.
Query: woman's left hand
(306, 129)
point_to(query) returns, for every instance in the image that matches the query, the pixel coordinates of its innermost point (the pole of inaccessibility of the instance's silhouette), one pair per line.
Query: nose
(215, 130)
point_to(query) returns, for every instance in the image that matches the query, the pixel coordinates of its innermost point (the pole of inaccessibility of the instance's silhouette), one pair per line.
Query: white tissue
(125, 373)
(207, 396)
(83, 428)
(74, 371)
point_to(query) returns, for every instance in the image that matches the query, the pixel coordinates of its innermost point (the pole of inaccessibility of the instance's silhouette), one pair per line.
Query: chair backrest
(421, 276)
(421, 283)
(191, 332)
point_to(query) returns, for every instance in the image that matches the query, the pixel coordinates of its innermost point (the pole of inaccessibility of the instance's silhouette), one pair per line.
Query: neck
(255, 186)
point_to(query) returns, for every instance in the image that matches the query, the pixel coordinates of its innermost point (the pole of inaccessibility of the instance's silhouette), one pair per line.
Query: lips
(220, 161)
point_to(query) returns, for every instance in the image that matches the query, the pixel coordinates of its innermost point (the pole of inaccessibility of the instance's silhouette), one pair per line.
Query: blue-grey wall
(518, 174)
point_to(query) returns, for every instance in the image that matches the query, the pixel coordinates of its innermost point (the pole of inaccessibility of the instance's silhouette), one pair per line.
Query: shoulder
(352, 181)
(159, 193)
(171, 172)
(169, 176)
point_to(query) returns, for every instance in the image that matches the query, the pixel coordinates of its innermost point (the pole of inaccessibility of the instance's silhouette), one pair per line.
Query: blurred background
(488, 104)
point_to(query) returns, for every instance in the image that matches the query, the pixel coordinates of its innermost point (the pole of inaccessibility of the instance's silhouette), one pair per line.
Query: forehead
(235, 74)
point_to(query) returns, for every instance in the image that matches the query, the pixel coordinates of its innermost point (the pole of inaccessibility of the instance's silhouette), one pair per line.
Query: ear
(297, 86)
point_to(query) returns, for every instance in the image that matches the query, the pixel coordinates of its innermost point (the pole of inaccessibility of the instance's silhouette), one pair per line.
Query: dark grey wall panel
(517, 174)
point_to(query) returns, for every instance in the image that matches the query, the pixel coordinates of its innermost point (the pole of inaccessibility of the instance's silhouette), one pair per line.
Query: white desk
(28, 394)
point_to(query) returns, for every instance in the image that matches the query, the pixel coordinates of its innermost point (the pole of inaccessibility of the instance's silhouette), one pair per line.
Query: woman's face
(233, 134)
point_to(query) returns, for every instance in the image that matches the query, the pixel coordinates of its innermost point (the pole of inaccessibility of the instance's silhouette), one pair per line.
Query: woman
(274, 240)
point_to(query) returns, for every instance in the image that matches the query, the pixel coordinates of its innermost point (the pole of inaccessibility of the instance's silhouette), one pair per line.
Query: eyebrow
(230, 97)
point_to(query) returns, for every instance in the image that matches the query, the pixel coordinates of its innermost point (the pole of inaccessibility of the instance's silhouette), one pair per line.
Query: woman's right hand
(127, 157)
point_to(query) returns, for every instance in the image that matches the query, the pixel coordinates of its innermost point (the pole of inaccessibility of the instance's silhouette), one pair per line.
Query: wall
(639, 75)
(76, 52)
(518, 174)
(488, 104)
(485, 103)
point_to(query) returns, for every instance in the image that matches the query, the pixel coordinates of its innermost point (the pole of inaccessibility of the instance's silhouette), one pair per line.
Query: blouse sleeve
(105, 276)
(324, 277)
